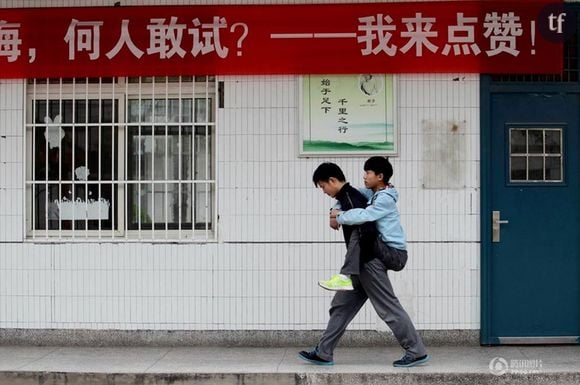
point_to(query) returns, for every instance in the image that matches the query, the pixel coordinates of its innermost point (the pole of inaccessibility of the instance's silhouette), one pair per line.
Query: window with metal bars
(536, 155)
(121, 159)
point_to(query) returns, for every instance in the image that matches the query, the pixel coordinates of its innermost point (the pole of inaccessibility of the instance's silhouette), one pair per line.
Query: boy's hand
(334, 223)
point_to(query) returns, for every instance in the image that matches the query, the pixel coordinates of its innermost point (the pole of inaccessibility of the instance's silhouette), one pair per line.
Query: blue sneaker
(313, 358)
(408, 361)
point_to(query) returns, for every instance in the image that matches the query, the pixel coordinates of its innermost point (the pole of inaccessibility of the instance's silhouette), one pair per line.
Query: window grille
(571, 72)
(121, 159)
(536, 155)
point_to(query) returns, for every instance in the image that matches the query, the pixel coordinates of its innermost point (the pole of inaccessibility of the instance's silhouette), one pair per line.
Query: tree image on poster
(348, 115)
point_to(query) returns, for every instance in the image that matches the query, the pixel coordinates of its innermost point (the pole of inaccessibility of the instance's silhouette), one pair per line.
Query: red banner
(456, 36)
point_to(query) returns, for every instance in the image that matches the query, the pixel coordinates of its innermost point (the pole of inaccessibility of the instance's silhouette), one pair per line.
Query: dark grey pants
(352, 257)
(392, 258)
(373, 284)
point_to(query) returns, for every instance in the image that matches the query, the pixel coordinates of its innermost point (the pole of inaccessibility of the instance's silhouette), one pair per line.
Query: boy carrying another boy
(330, 178)
(373, 281)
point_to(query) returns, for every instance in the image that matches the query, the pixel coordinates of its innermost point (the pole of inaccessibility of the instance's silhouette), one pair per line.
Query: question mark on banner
(241, 38)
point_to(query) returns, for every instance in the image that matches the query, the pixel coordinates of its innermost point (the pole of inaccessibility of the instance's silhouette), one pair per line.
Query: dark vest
(351, 198)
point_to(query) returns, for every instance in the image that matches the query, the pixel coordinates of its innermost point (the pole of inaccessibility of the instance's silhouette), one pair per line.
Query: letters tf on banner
(454, 36)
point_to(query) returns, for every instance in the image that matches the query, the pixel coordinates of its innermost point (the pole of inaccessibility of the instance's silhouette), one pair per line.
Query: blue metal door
(532, 281)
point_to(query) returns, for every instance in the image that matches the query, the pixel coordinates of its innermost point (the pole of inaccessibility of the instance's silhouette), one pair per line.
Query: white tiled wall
(219, 286)
(266, 193)
(274, 243)
(11, 160)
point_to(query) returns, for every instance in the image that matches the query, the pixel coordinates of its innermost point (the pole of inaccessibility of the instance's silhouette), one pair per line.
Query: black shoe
(313, 358)
(408, 361)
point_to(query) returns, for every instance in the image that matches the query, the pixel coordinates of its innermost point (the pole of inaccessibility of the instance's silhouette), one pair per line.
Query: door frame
(487, 88)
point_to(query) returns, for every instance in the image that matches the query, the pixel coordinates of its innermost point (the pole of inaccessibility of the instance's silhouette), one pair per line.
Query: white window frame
(120, 92)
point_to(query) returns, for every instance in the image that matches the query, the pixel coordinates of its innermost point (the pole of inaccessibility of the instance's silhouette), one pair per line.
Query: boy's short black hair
(380, 165)
(325, 171)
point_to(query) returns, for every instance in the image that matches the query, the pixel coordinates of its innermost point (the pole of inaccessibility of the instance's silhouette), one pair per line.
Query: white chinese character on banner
(125, 39)
(375, 30)
(164, 39)
(83, 36)
(503, 31)
(461, 37)
(419, 32)
(9, 40)
(209, 40)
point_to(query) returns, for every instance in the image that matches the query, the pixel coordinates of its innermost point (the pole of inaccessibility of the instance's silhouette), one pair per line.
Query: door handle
(495, 225)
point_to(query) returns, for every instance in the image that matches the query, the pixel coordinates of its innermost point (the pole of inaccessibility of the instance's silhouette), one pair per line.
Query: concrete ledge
(34, 378)
(259, 338)
(41, 365)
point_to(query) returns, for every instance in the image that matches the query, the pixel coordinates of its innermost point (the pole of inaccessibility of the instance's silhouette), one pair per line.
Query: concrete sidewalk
(24, 365)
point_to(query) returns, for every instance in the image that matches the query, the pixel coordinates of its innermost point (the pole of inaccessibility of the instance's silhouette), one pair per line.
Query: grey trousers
(351, 264)
(374, 284)
(392, 258)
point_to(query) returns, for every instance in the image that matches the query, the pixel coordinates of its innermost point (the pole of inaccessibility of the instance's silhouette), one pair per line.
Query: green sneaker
(336, 283)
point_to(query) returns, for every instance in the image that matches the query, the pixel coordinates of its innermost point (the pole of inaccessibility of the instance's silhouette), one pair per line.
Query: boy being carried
(390, 246)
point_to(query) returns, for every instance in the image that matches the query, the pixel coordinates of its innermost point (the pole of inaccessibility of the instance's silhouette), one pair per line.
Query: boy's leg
(344, 307)
(351, 264)
(376, 283)
(393, 259)
(350, 268)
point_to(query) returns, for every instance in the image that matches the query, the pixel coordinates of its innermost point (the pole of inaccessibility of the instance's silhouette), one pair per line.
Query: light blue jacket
(383, 211)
